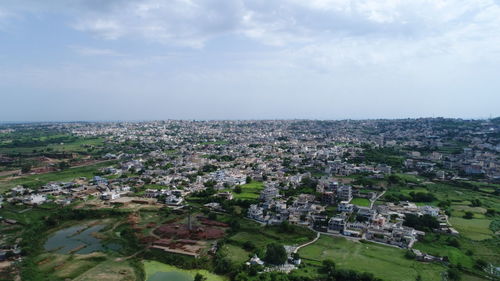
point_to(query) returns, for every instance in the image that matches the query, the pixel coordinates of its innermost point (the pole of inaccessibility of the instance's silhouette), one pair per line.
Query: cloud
(89, 51)
(328, 32)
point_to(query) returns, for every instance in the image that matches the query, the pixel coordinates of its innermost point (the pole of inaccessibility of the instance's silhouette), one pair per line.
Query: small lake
(78, 239)
(170, 276)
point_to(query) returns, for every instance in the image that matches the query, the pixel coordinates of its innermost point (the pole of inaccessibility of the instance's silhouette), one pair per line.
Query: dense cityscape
(403, 199)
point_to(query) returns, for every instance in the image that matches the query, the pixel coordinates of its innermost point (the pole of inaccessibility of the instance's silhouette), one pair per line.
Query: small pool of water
(170, 276)
(79, 240)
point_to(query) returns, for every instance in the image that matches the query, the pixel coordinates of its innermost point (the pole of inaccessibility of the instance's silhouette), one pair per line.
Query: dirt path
(308, 243)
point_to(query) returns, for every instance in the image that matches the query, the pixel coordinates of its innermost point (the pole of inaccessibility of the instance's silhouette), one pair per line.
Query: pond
(79, 240)
(170, 276)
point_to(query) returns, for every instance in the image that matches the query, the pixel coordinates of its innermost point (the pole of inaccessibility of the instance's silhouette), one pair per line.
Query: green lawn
(362, 202)
(387, 263)
(151, 267)
(475, 229)
(249, 191)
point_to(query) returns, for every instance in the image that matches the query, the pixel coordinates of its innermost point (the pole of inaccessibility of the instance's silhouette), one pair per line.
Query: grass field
(475, 229)
(249, 191)
(151, 267)
(261, 236)
(41, 179)
(387, 263)
(75, 146)
(362, 202)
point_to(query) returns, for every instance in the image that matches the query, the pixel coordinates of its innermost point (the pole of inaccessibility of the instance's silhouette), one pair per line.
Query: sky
(67, 60)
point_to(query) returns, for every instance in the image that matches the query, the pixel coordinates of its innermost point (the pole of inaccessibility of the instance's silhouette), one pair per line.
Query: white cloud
(330, 32)
(90, 51)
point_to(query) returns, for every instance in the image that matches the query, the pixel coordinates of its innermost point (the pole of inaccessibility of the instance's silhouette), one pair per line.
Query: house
(110, 196)
(345, 207)
(35, 199)
(225, 195)
(173, 200)
(344, 193)
(269, 193)
(429, 210)
(336, 224)
(255, 260)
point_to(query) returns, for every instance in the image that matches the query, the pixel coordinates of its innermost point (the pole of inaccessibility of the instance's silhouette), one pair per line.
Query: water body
(78, 237)
(170, 276)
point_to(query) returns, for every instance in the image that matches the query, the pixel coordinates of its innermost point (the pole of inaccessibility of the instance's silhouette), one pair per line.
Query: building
(269, 193)
(344, 193)
(336, 224)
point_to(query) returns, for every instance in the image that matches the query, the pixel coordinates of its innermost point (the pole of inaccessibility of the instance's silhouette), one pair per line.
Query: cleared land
(384, 262)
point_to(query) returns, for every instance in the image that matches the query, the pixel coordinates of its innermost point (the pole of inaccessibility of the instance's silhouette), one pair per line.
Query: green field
(249, 191)
(362, 202)
(41, 179)
(387, 263)
(152, 267)
(475, 229)
(260, 236)
(74, 146)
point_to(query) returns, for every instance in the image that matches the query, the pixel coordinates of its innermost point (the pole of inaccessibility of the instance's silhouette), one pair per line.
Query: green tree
(328, 267)
(26, 168)
(275, 254)
(199, 277)
(468, 215)
(454, 274)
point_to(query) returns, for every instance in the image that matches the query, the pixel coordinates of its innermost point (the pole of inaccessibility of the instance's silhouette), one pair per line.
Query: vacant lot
(385, 262)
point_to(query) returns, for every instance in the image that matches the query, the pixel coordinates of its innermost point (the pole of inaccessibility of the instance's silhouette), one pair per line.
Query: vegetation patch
(387, 263)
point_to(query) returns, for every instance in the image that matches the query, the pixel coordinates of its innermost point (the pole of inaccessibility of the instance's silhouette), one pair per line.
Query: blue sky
(242, 59)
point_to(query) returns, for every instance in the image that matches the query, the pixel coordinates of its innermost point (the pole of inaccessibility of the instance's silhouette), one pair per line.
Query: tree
(63, 165)
(212, 216)
(26, 168)
(453, 242)
(468, 215)
(454, 274)
(248, 179)
(328, 267)
(237, 189)
(476, 203)
(199, 277)
(275, 254)
(481, 264)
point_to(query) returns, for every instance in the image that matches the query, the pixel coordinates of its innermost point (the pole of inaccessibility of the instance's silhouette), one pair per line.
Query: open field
(384, 262)
(475, 229)
(362, 202)
(152, 267)
(41, 179)
(78, 145)
(261, 236)
(249, 191)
